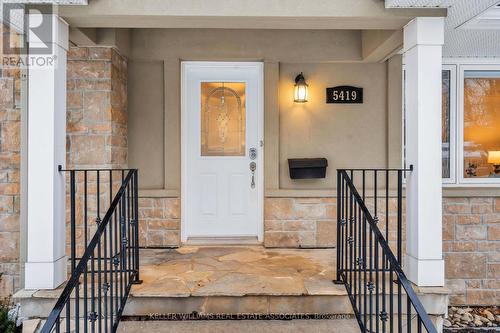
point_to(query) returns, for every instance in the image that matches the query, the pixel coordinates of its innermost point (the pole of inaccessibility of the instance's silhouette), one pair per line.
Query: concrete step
(258, 304)
(174, 312)
(241, 326)
(38, 304)
(32, 325)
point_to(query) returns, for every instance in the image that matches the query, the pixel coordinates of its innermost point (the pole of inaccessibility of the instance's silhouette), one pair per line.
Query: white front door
(222, 154)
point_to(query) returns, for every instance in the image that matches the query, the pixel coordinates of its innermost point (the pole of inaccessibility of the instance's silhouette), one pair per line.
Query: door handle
(253, 167)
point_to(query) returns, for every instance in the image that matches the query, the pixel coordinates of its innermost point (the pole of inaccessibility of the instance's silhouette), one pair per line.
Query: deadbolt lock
(253, 153)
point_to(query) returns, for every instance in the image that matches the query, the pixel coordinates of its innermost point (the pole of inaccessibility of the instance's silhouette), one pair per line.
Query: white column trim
(46, 199)
(423, 40)
(423, 31)
(38, 273)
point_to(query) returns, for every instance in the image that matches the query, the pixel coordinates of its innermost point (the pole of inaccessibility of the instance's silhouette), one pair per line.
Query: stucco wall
(314, 129)
(327, 58)
(339, 132)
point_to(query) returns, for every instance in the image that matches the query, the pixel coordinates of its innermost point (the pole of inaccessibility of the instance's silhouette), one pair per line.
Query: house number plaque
(344, 95)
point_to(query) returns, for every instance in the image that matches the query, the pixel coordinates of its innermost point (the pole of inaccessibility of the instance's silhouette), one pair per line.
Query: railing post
(339, 224)
(400, 214)
(136, 224)
(123, 239)
(73, 248)
(72, 220)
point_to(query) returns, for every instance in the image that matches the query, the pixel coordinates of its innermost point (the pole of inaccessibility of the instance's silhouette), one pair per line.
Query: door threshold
(223, 240)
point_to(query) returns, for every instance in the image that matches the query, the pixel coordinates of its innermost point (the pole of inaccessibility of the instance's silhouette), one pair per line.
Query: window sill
(300, 193)
(159, 193)
(471, 190)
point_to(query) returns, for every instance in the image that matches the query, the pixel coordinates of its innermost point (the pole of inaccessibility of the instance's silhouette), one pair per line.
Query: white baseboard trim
(223, 240)
(45, 275)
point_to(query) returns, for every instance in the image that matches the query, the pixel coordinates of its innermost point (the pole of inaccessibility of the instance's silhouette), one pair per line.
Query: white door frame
(184, 142)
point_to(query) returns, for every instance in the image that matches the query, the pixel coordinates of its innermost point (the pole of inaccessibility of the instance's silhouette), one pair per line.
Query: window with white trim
(448, 123)
(470, 124)
(479, 124)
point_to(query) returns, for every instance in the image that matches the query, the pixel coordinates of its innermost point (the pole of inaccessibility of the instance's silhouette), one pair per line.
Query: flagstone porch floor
(236, 271)
(237, 279)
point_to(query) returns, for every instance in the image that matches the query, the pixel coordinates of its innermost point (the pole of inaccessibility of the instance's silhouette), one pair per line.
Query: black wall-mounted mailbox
(307, 168)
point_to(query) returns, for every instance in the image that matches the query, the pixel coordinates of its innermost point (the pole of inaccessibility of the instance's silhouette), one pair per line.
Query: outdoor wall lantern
(300, 91)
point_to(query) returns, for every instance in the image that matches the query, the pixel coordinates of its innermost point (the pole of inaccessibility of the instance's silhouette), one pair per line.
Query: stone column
(97, 108)
(46, 260)
(423, 40)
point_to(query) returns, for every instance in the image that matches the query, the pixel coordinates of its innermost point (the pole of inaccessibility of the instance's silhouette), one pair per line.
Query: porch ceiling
(463, 38)
(419, 3)
(256, 14)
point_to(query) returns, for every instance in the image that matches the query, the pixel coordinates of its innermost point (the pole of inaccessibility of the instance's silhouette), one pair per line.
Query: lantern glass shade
(300, 89)
(494, 157)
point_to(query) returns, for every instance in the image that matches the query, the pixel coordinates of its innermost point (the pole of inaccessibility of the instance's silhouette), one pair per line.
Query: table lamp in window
(494, 158)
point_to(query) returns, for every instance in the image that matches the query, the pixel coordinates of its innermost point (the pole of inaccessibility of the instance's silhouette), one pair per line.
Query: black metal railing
(103, 249)
(382, 193)
(382, 297)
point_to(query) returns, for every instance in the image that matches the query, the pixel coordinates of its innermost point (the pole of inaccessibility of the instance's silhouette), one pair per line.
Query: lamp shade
(300, 90)
(494, 157)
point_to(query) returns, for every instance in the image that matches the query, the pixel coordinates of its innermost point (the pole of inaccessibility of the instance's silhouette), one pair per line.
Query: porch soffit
(55, 2)
(234, 14)
(419, 3)
(460, 41)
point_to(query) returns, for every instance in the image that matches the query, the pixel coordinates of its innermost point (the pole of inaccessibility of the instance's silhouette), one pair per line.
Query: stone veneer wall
(300, 222)
(471, 246)
(97, 133)
(312, 222)
(10, 148)
(288, 222)
(96, 127)
(96, 108)
(159, 222)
